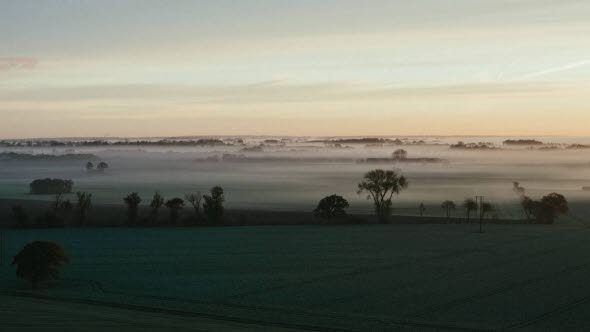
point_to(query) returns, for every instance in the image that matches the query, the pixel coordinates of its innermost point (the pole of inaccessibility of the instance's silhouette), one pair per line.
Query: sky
(283, 67)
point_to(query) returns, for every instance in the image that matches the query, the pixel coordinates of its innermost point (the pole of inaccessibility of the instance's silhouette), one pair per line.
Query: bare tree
(195, 201)
(448, 206)
(155, 205)
(83, 205)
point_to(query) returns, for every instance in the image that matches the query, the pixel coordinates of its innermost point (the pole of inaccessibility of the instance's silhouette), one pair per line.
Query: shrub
(20, 215)
(39, 261)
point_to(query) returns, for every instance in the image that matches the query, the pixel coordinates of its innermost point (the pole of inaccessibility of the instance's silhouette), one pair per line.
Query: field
(419, 277)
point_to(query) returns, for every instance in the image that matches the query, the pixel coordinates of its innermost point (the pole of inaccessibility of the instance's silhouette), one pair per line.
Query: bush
(39, 261)
(51, 186)
(331, 207)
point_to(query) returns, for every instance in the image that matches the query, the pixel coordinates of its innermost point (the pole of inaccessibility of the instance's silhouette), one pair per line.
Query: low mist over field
(293, 173)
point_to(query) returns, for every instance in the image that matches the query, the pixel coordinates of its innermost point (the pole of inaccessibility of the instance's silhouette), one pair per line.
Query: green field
(349, 277)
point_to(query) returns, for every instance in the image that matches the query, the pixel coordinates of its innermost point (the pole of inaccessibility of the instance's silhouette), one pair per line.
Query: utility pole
(1, 248)
(479, 200)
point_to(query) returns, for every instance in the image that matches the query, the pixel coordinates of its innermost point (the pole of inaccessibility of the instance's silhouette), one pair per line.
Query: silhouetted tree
(132, 201)
(528, 206)
(422, 209)
(83, 204)
(39, 261)
(155, 205)
(448, 206)
(517, 188)
(331, 207)
(380, 186)
(195, 201)
(550, 207)
(174, 205)
(20, 215)
(213, 204)
(400, 154)
(469, 205)
(486, 208)
(89, 166)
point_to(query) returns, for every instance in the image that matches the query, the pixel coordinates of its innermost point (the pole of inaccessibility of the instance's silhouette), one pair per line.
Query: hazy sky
(329, 67)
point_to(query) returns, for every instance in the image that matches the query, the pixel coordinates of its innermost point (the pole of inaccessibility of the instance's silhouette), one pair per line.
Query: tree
(102, 166)
(213, 204)
(39, 261)
(469, 205)
(399, 154)
(486, 208)
(195, 201)
(380, 185)
(448, 206)
(89, 166)
(331, 207)
(528, 206)
(422, 209)
(132, 200)
(174, 205)
(550, 207)
(517, 188)
(155, 205)
(83, 204)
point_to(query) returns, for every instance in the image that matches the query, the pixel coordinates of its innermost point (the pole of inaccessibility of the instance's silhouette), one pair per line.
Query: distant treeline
(163, 142)
(369, 140)
(522, 142)
(14, 156)
(51, 186)
(474, 146)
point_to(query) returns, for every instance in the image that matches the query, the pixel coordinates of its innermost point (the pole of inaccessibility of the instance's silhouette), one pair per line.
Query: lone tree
(380, 185)
(155, 205)
(422, 209)
(132, 200)
(213, 204)
(399, 154)
(102, 166)
(470, 206)
(89, 166)
(331, 207)
(448, 206)
(39, 261)
(550, 207)
(195, 201)
(174, 205)
(83, 204)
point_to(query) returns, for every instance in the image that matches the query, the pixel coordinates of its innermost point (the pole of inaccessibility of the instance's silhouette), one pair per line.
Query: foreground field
(447, 277)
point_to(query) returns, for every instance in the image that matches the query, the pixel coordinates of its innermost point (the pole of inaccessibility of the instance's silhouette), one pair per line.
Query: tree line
(380, 186)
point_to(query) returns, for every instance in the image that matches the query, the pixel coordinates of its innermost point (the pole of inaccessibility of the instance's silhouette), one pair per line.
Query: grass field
(349, 277)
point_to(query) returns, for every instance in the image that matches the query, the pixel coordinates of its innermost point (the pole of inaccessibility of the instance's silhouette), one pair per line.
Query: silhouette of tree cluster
(50, 186)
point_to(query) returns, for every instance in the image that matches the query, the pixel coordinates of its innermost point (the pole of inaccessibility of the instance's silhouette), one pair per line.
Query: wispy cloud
(552, 70)
(9, 63)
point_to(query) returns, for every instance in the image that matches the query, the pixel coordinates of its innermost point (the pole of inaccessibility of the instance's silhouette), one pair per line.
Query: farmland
(315, 277)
